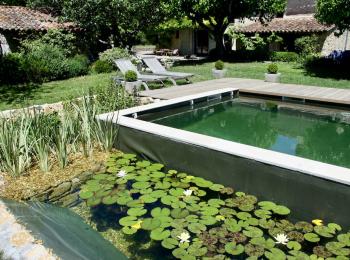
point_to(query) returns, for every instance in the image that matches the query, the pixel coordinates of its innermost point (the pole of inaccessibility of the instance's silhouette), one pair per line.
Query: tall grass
(39, 139)
(15, 146)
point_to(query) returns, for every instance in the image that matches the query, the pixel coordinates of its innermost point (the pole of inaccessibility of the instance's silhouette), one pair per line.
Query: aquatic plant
(15, 146)
(195, 218)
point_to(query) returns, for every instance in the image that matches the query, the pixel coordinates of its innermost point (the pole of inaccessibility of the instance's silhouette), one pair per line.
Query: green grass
(291, 73)
(26, 95)
(22, 96)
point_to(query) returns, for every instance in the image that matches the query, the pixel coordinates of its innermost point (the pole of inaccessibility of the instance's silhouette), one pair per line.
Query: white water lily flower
(121, 174)
(188, 193)
(184, 237)
(281, 239)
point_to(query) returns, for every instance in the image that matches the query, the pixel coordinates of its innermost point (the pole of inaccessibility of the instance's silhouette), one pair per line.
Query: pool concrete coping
(290, 162)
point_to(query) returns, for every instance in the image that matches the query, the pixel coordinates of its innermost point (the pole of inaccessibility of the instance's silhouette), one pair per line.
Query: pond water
(263, 124)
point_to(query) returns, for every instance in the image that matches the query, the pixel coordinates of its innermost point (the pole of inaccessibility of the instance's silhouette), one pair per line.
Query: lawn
(21, 96)
(51, 92)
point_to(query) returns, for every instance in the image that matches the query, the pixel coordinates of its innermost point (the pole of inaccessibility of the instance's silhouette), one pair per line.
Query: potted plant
(272, 74)
(219, 71)
(131, 84)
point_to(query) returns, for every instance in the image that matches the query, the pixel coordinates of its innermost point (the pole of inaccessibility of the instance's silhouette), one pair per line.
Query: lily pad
(141, 185)
(243, 215)
(210, 211)
(254, 250)
(109, 200)
(159, 234)
(179, 213)
(197, 228)
(312, 237)
(85, 194)
(293, 245)
(148, 198)
(156, 212)
(281, 210)
(253, 232)
(150, 223)
(324, 231)
(168, 199)
(169, 243)
(128, 221)
(275, 254)
(91, 202)
(137, 212)
(129, 230)
(217, 187)
(304, 226)
(233, 249)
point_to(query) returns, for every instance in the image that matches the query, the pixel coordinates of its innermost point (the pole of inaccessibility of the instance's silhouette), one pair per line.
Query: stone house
(17, 23)
(192, 41)
(297, 21)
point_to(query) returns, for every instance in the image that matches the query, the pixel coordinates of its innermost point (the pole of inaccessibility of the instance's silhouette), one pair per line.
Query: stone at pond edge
(60, 190)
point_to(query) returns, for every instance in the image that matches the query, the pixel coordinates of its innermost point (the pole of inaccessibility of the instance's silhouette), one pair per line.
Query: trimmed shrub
(130, 76)
(219, 65)
(77, 66)
(308, 45)
(113, 54)
(102, 66)
(272, 68)
(11, 70)
(284, 56)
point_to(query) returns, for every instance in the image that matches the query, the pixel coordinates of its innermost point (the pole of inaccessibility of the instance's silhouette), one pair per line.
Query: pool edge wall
(308, 197)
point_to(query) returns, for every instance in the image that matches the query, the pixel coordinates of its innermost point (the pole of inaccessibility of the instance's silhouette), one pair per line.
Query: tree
(118, 22)
(216, 15)
(108, 23)
(334, 12)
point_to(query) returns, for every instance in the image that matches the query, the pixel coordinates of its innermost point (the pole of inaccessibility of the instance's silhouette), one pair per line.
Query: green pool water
(292, 131)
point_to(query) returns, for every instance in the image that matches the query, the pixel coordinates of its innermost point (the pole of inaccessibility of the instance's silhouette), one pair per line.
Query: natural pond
(166, 214)
(315, 134)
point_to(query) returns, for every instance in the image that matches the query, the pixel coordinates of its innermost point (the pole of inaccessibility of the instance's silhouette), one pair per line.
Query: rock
(60, 190)
(83, 177)
(75, 184)
(69, 200)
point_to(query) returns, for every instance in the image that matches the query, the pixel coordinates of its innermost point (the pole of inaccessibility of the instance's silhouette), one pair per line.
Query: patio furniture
(156, 67)
(124, 65)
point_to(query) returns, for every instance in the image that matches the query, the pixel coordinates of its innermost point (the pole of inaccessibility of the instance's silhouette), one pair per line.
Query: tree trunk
(220, 48)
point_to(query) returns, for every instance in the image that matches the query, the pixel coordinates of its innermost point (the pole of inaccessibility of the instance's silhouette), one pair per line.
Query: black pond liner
(63, 231)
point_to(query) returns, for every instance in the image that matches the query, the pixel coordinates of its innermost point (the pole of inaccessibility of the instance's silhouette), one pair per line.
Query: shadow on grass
(337, 72)
(18, 95)
(139, 245)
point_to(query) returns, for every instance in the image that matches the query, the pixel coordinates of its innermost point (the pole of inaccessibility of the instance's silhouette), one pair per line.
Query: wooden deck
(253, 86)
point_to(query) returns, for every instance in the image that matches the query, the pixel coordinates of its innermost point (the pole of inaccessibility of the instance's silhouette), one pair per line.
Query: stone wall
(333, 42)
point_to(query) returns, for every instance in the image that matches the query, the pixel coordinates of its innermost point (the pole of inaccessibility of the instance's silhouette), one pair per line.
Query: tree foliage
(118, 22)
(334, 12)
(110, 22)
(216, 15)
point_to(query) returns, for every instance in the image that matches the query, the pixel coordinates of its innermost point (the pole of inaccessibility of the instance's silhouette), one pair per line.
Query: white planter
(218, 74)
(132, 87)
(275, 78)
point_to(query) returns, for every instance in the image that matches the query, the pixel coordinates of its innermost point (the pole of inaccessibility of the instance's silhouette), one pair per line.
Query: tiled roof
(288, 24)
(18, 18)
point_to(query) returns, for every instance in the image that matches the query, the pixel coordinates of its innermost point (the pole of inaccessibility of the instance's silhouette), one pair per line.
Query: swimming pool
(302, 131)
